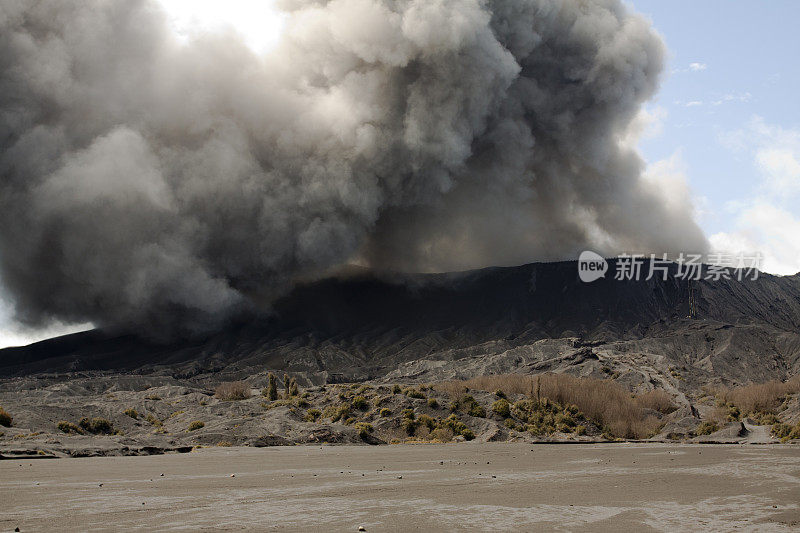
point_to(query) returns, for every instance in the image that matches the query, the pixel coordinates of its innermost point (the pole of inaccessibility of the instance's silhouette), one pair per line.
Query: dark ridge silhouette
(366, 324)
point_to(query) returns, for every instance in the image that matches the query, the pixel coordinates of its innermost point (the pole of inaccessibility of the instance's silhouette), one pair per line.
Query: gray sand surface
(472, 486)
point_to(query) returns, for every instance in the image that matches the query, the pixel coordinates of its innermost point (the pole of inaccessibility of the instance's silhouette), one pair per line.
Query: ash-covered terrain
(396, 341)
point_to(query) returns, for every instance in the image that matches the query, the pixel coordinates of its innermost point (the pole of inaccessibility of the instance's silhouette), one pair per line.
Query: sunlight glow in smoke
(257, 21)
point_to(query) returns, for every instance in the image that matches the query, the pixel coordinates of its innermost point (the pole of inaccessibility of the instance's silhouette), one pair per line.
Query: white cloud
(733, 97)
(694, 103)
(766, 223)
(767, 229)
(697, 67)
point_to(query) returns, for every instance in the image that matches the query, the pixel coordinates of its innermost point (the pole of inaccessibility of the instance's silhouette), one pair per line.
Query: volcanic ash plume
(166, 186)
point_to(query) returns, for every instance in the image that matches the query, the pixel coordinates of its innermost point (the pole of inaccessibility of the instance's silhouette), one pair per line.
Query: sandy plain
(468, 486)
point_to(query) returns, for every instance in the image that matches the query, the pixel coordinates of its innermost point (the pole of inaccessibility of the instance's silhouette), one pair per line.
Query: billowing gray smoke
(166, 186)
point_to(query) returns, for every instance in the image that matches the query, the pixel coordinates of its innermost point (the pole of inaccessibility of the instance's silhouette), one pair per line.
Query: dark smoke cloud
(167, 186)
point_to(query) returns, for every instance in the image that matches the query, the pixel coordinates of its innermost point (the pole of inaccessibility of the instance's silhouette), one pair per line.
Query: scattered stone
(399, 477)
(233, 475)
(362, 528)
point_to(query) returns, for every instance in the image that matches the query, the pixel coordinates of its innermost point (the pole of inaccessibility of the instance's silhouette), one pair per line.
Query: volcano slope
(383, 329)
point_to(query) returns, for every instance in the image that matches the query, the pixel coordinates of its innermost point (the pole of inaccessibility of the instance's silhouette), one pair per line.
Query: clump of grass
(457, 427)
(224, 444)
(337, 412)
(279, 403)
(271, 392)
(195, 425)
(153, 397)
(153, 420)
(432, 403)
(380, 400)
(69, 427)
(359, 402)
(364, 430)
(232, 391)
(500, 394)
(606, 403)
(386, 412)
(469, 405)
(760, 397)
(409, 422)
(312, 415)
(414, 393)
(502, 408)
(657, 400)
(5, 418)
(706, 428)
(96, 426)
(426, 421)
(396, 389)
(441, 434)
(785, 431)
(132, 413)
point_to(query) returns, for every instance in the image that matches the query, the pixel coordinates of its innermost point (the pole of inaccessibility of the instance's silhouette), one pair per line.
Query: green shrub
(312, 415)
(386, 412)
(441, 434)
(502, 408)
(432, 403)
(409, 425)
(580, 430)
(414, 393)
(500, 394)
(132, 413)
(294, 389)
(197, 424)
(5, 418)
(96, 426)
(457, 427)
(476, 410)
(706, 428)
(425, 420)
(359, 402)
(69, 427)
(765, 419)
(153, 420)
(271, 392)
(364, 430)
(396, 389)
(380, 400)
(337, 412)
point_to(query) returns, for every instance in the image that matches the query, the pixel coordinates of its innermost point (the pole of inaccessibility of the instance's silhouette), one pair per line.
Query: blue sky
(727, 120)
(725, 126)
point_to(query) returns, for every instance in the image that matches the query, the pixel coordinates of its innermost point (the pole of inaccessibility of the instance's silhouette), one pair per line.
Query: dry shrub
(657, 399)
(604, 402)
(232, 390)
(760, 397)
(5, 418)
